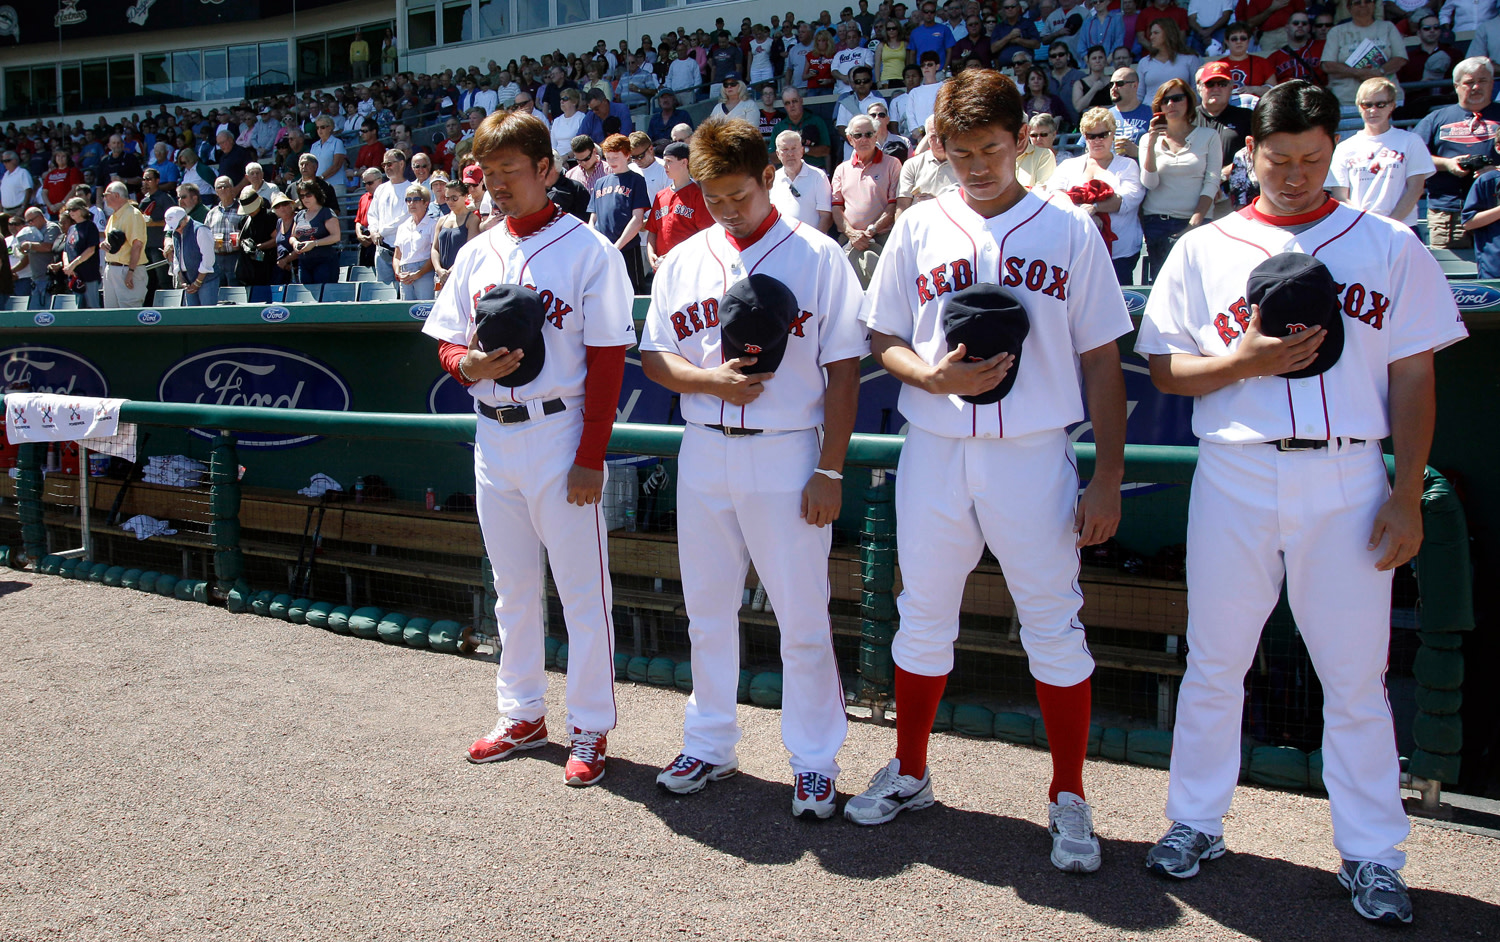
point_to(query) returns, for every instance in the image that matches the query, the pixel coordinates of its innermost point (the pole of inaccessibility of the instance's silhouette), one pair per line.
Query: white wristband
(831, 475)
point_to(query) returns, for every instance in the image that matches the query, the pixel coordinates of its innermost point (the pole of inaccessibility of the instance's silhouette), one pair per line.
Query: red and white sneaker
(585, 758)
(509, 737)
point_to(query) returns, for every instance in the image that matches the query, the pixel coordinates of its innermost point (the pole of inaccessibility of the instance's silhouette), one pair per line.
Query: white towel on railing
(174, 471)
(320, 485)
(48, 417)
(145, 527)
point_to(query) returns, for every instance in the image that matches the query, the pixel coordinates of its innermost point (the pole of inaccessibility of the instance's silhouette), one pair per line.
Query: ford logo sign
(50, 370)
(149, 317)
(265, 377)
(1474, 297)
(1135, 302)
(274, 314)
(420, 311)
(44, 319)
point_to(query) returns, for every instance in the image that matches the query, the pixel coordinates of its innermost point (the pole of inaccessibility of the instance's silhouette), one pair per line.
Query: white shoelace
(888, 784)
(585, 746)
(1180, 837)
(682, 763)
(811, 783)
(1072, 822)
(1378, 877)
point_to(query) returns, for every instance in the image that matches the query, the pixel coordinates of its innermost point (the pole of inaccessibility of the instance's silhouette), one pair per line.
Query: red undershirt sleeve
(450, 355)
(601, 394)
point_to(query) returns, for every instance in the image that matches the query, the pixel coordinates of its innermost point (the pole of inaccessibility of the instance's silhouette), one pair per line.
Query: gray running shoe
(1377, 892)
(1075, 849)
(1179, 851)
(889, 794)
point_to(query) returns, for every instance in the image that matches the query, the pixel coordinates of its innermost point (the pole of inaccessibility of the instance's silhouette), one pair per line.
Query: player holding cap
(1305, 330)
(755, 321)
(988, 461)
(535, 322)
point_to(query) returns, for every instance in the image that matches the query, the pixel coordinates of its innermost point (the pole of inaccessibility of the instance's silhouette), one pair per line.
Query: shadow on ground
(9, 586)
(1267, 899)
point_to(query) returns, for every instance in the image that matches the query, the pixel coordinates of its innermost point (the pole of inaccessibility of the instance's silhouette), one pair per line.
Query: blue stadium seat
(169, 297)
(233, 294)
(376, 291)
(278, 294)
(300, 294)
(338, 291)
(361, 273)
(17, 302)
(259, 294)
(65, 302)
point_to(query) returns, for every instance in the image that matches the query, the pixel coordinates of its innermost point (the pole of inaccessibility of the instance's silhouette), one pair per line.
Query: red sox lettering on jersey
(555, 306)
(1367, 306)
(1033, 274)
(702, 315)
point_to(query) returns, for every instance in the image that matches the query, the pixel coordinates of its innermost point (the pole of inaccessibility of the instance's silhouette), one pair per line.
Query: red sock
(1065, 713)
(916, 707)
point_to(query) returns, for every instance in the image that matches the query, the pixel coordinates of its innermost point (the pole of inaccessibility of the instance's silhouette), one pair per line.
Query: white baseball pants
(740, 499)
(1257, 516)
(1018, 494)
(521, 478)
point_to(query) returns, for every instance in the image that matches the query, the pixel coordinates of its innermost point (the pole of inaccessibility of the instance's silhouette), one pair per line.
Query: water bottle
(359, 490)
(431, 499)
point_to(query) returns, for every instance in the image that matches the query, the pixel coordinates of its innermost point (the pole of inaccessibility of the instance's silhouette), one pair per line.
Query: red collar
(1253, 212)
(523, 226)
(741, 245)
(879, 156)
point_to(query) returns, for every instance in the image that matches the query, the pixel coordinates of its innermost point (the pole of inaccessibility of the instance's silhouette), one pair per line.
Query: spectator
(1035, 165)
(17, 189)
(668, 117)
(864, 197)
(371, 151)
(331, 157)
(389, 54)
(588, 165)
(812, 129)
(315, 237)
(799, 190)
(567, 194)
(856, 102)
(891, 53)
(1121, 57)
(850, 54)
(682, 133)
(922, 100)
(1251, 75)
(118, 164)
(643, 161)
(1119, 214)
(387, 210)
(1486, 41)
(1061, 24)
(1012, 34)
(81, 254)
(1180, 168)
(1381, 169)
(232, 158)
(284, 208)
(566, 125)
(359, 57)
(486, 98)
(258, 240)
(769, 113)
(443, 148)
(889, 142)
(401, 140)
(639, 84)
(734, 103)
(1431, 60)
(1270, 17)
(162, 162)
(225, 221)
(1231, 121)
(454, 230)
(190, 250)
(255, 175)
(927, 175)
(58, 182)
(1062, 72)
(264, 134)
(10, 261)
(1388, 57)
(37, 243)
(604, 118)
(307, 169)
(723, 58)
(1463, 16)
(618, 207)
(1091, 88)
(124, 286)
(795, 73)
(412, 247)
(371, 178)
(1132, 118)
(1169, 59)
(524, 101)
(1481, 216)
(677, 211)
(1038, 97)
(1206, 22)
(818, 73)
(191, 171)
(684, 75)
(1452, 133)
(928, 34)
(1243, 186)
(1103, 27)
(1043, 131)
(191, 201)
(1301, 56)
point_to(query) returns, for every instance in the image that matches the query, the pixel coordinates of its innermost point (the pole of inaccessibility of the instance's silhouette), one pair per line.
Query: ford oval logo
(1135, 302)
(149, 317)
(1474, 297)
(274, 314)
(50, 370)
(420, 311)
(262, 376)
(44, 319)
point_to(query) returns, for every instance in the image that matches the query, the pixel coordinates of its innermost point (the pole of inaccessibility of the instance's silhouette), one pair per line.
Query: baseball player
(1291, 483)
(559, 299)
(755, 322)
(987, 458)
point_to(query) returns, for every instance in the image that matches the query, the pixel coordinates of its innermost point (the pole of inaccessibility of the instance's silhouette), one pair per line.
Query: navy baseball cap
(1296, 292)
(755, 319)
(678, 149)
(731, 77)
(512, 317)
(988, 320)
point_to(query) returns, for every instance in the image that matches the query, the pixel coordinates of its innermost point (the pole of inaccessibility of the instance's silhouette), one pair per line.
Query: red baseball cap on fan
(1215, 70)
(473, 176)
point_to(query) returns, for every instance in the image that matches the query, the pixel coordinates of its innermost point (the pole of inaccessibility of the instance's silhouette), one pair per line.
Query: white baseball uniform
(739, 499)
(1002, 472)
(1258, 515)
(521, 470)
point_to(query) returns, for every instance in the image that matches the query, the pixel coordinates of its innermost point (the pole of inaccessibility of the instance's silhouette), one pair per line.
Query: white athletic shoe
(1075, 849)
(813, 795)
(687, 775)
(889, 794)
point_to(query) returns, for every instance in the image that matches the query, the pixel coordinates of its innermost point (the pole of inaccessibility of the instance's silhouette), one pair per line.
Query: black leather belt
(1311, 444)
(731, 432)
(513, 415)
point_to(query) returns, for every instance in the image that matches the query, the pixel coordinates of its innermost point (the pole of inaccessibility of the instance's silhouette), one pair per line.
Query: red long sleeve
(601, 394)
(451, 355)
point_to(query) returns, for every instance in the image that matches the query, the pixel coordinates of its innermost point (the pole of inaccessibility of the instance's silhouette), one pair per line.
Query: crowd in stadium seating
(279, 190)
